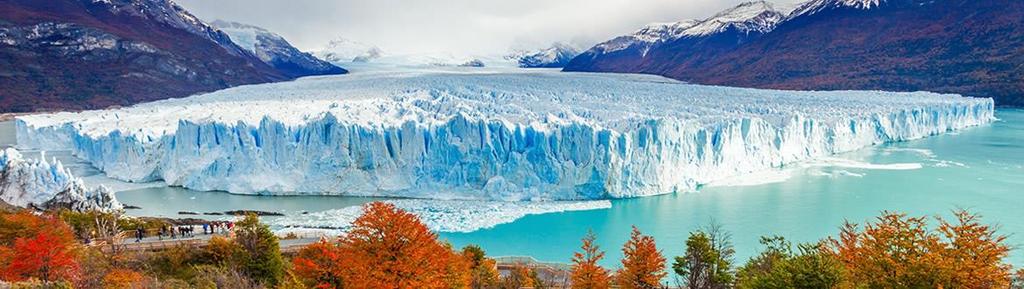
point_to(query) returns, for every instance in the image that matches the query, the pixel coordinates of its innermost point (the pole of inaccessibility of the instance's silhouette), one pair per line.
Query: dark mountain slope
(85, 54)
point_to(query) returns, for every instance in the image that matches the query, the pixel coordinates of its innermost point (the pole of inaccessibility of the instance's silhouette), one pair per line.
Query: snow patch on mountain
(815, 6)
(558, 55)
(476, 134)
(275, 51)
(41, 184)
(341, 51)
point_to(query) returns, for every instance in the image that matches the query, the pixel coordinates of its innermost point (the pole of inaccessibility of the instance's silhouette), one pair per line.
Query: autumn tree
(895, 250)
(520, 276)
(459, 270)
(385, 248)
(483, 270)
(900, 251)
(36, 246)
(320, 265)
(44, 256)
(973, 253)
(586, 272)
(643, 266)
(707, 263)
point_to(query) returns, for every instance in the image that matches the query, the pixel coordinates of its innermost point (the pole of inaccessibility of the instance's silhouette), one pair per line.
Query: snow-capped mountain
(815, 6)
(955, 46)
(341, 51)
(556, 56)
(749, 17)
(275, 50)
(745, 19)
(45, 185)
(87, 54)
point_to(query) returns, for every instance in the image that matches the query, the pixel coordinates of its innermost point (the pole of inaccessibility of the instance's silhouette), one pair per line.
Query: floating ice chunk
(846, 163)
(769, 176)
(439, 215)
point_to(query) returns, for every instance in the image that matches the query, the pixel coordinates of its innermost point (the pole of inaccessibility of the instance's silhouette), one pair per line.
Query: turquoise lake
(980, 169)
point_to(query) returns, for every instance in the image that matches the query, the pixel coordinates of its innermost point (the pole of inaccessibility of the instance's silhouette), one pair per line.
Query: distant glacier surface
(486, 135)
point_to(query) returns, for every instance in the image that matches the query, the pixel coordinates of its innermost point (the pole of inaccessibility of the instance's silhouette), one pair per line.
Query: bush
(778, 267)
(897, 250)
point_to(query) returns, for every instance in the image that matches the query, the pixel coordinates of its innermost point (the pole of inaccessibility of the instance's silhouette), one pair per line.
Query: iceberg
(482, 134)
(40, 184)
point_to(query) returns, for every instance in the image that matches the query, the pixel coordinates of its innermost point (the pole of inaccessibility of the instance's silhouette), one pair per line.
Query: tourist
(139, 234)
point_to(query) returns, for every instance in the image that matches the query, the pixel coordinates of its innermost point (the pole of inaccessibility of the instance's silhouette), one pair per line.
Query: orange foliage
(973, 253)
(320, 263)
(518, 277)
(643, 266)
(40, 247)
(899, 251)
(122, 279)
(586, 273)
(386, 248)
(25, 224)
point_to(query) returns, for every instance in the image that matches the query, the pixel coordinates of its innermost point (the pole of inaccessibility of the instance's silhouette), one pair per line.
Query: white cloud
(457, 26)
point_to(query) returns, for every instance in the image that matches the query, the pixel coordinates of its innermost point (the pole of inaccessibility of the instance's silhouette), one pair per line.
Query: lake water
(981, 169)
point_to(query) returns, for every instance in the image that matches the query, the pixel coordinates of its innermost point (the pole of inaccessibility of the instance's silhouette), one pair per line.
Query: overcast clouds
(458, 26)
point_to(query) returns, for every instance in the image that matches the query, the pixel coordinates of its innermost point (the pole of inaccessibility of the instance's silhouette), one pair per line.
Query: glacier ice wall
(507, 136)
(40, 184)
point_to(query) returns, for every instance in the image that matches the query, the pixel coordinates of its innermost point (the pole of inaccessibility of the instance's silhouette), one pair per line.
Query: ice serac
(479, 135)
(40, 184)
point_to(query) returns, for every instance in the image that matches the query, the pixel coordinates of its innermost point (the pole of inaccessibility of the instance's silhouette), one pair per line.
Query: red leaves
(33, 246)
(44, 256)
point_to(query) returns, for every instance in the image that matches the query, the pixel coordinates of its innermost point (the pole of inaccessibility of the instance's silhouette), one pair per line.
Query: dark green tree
(707, 263)
(262, 259)
(778, 267)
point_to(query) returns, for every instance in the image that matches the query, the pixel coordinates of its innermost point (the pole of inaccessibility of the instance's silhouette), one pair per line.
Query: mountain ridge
(950, 46)
(86, 54)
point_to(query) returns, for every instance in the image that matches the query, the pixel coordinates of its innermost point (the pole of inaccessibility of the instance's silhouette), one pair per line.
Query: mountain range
(87, 54)
(970, 47)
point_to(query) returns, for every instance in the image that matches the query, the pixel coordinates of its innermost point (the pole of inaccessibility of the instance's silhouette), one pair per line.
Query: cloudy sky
(455, 26)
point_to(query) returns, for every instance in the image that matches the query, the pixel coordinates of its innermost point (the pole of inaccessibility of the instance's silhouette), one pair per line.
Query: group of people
(186, 231)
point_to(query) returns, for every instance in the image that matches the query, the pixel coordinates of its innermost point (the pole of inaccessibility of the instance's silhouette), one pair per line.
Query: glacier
(486, 134)
(39, 184)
